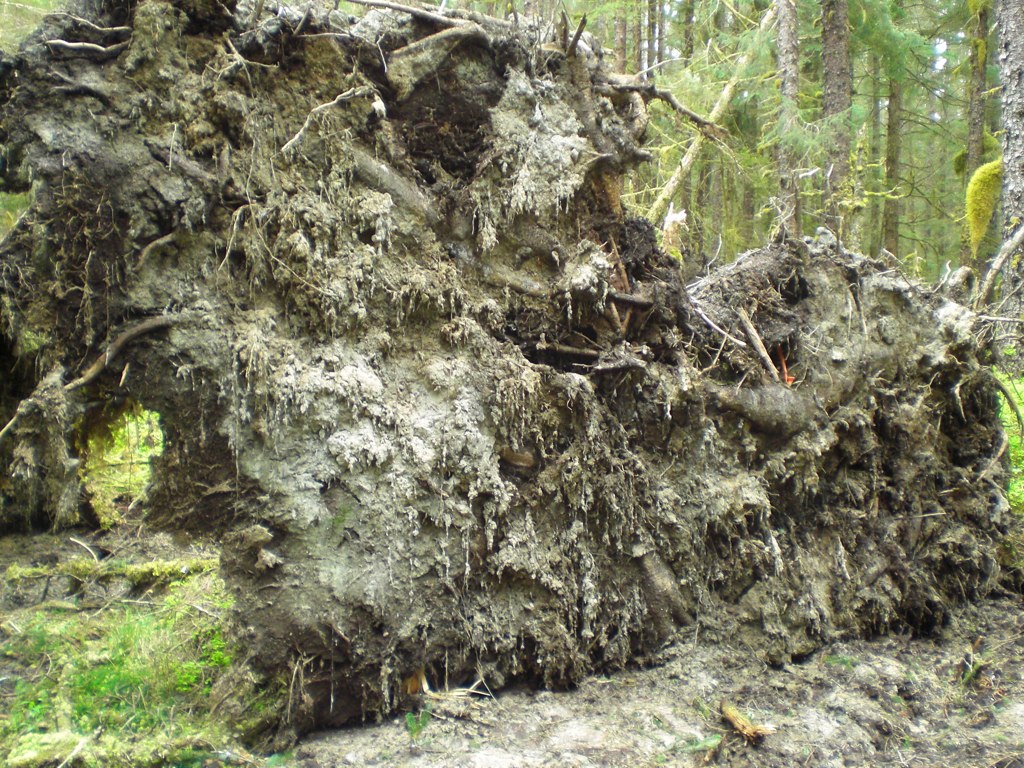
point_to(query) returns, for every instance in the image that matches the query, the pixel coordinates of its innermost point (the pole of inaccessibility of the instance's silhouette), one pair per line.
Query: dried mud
(451, 411)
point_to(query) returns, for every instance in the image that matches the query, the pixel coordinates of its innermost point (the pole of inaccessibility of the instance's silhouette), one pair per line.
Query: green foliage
(117, 456)
(977, 6)
(19, 18)
(11, 207)
(840, 660)
(140, 675)
(990, 147)
(416, 722)
(982, 199)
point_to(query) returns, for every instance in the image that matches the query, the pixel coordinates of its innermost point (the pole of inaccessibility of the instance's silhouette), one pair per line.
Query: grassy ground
(114, 646)
(19, 17)
(1012, 555)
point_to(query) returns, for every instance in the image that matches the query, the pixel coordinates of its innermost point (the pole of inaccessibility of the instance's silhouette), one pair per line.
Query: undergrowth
(1011, 553)
(138, 682)
(116, 466)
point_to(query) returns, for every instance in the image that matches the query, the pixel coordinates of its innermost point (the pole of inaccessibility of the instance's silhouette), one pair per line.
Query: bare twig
(1005, 252)
(340, 99)
(418, 13)
(1003, 445)
(1011, 401)
(571, 51)
(708, 127)
(101, 362)
(755, 340)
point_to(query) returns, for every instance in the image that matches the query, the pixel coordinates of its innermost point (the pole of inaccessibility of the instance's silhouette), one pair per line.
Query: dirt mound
(453, 412)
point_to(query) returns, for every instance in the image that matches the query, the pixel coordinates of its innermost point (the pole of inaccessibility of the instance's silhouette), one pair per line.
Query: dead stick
(1007, 250)
(576, 37)
(419, 13)
(629, 298)
(101, 362)
(717, 329)
(755, 339)
(565, 349)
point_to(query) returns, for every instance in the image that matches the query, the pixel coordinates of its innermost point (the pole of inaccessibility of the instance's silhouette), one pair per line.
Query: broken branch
(668, 192)
(1005, 252)
(755, 340)
(571, 51)
(743, 724)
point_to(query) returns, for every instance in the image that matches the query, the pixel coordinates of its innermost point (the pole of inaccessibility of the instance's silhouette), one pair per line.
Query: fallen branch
(1005, 252)
(755, 339)
(418, 13)
(101, 362)
(668, 192)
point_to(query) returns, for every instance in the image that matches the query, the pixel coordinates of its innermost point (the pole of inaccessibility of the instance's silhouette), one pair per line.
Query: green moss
(982, 199)
(136, 683)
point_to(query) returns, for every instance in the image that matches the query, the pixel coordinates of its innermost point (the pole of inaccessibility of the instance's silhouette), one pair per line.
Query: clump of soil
(451, 410)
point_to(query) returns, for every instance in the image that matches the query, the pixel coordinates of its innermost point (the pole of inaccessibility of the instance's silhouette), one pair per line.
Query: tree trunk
(686, 16)
(662, 30)
(893, 147)
(652, 35)
(837, 98)
(621, 40)
(976, 95)
(872, 237)
(1010, 18)
(1010, 23)
(638, 35)
(976, 120)
(788, 64)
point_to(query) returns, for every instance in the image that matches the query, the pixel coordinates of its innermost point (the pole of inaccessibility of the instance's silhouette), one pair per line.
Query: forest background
(895, 106)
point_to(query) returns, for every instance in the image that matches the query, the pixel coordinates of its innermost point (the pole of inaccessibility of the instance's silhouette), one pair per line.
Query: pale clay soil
(889, 701)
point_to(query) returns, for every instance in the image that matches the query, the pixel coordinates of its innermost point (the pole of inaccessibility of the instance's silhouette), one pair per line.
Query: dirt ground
(892, 701)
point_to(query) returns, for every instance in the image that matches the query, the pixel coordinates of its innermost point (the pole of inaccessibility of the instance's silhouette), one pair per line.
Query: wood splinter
(755, 340)
(744, 725)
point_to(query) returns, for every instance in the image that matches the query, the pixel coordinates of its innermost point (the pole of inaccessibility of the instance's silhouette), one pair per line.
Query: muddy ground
(889, 701)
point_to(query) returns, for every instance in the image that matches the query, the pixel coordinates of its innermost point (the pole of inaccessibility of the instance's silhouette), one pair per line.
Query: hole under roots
(117, 453)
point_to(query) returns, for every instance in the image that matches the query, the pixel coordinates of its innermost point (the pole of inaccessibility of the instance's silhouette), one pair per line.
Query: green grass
(19, 17)
(136, 680)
